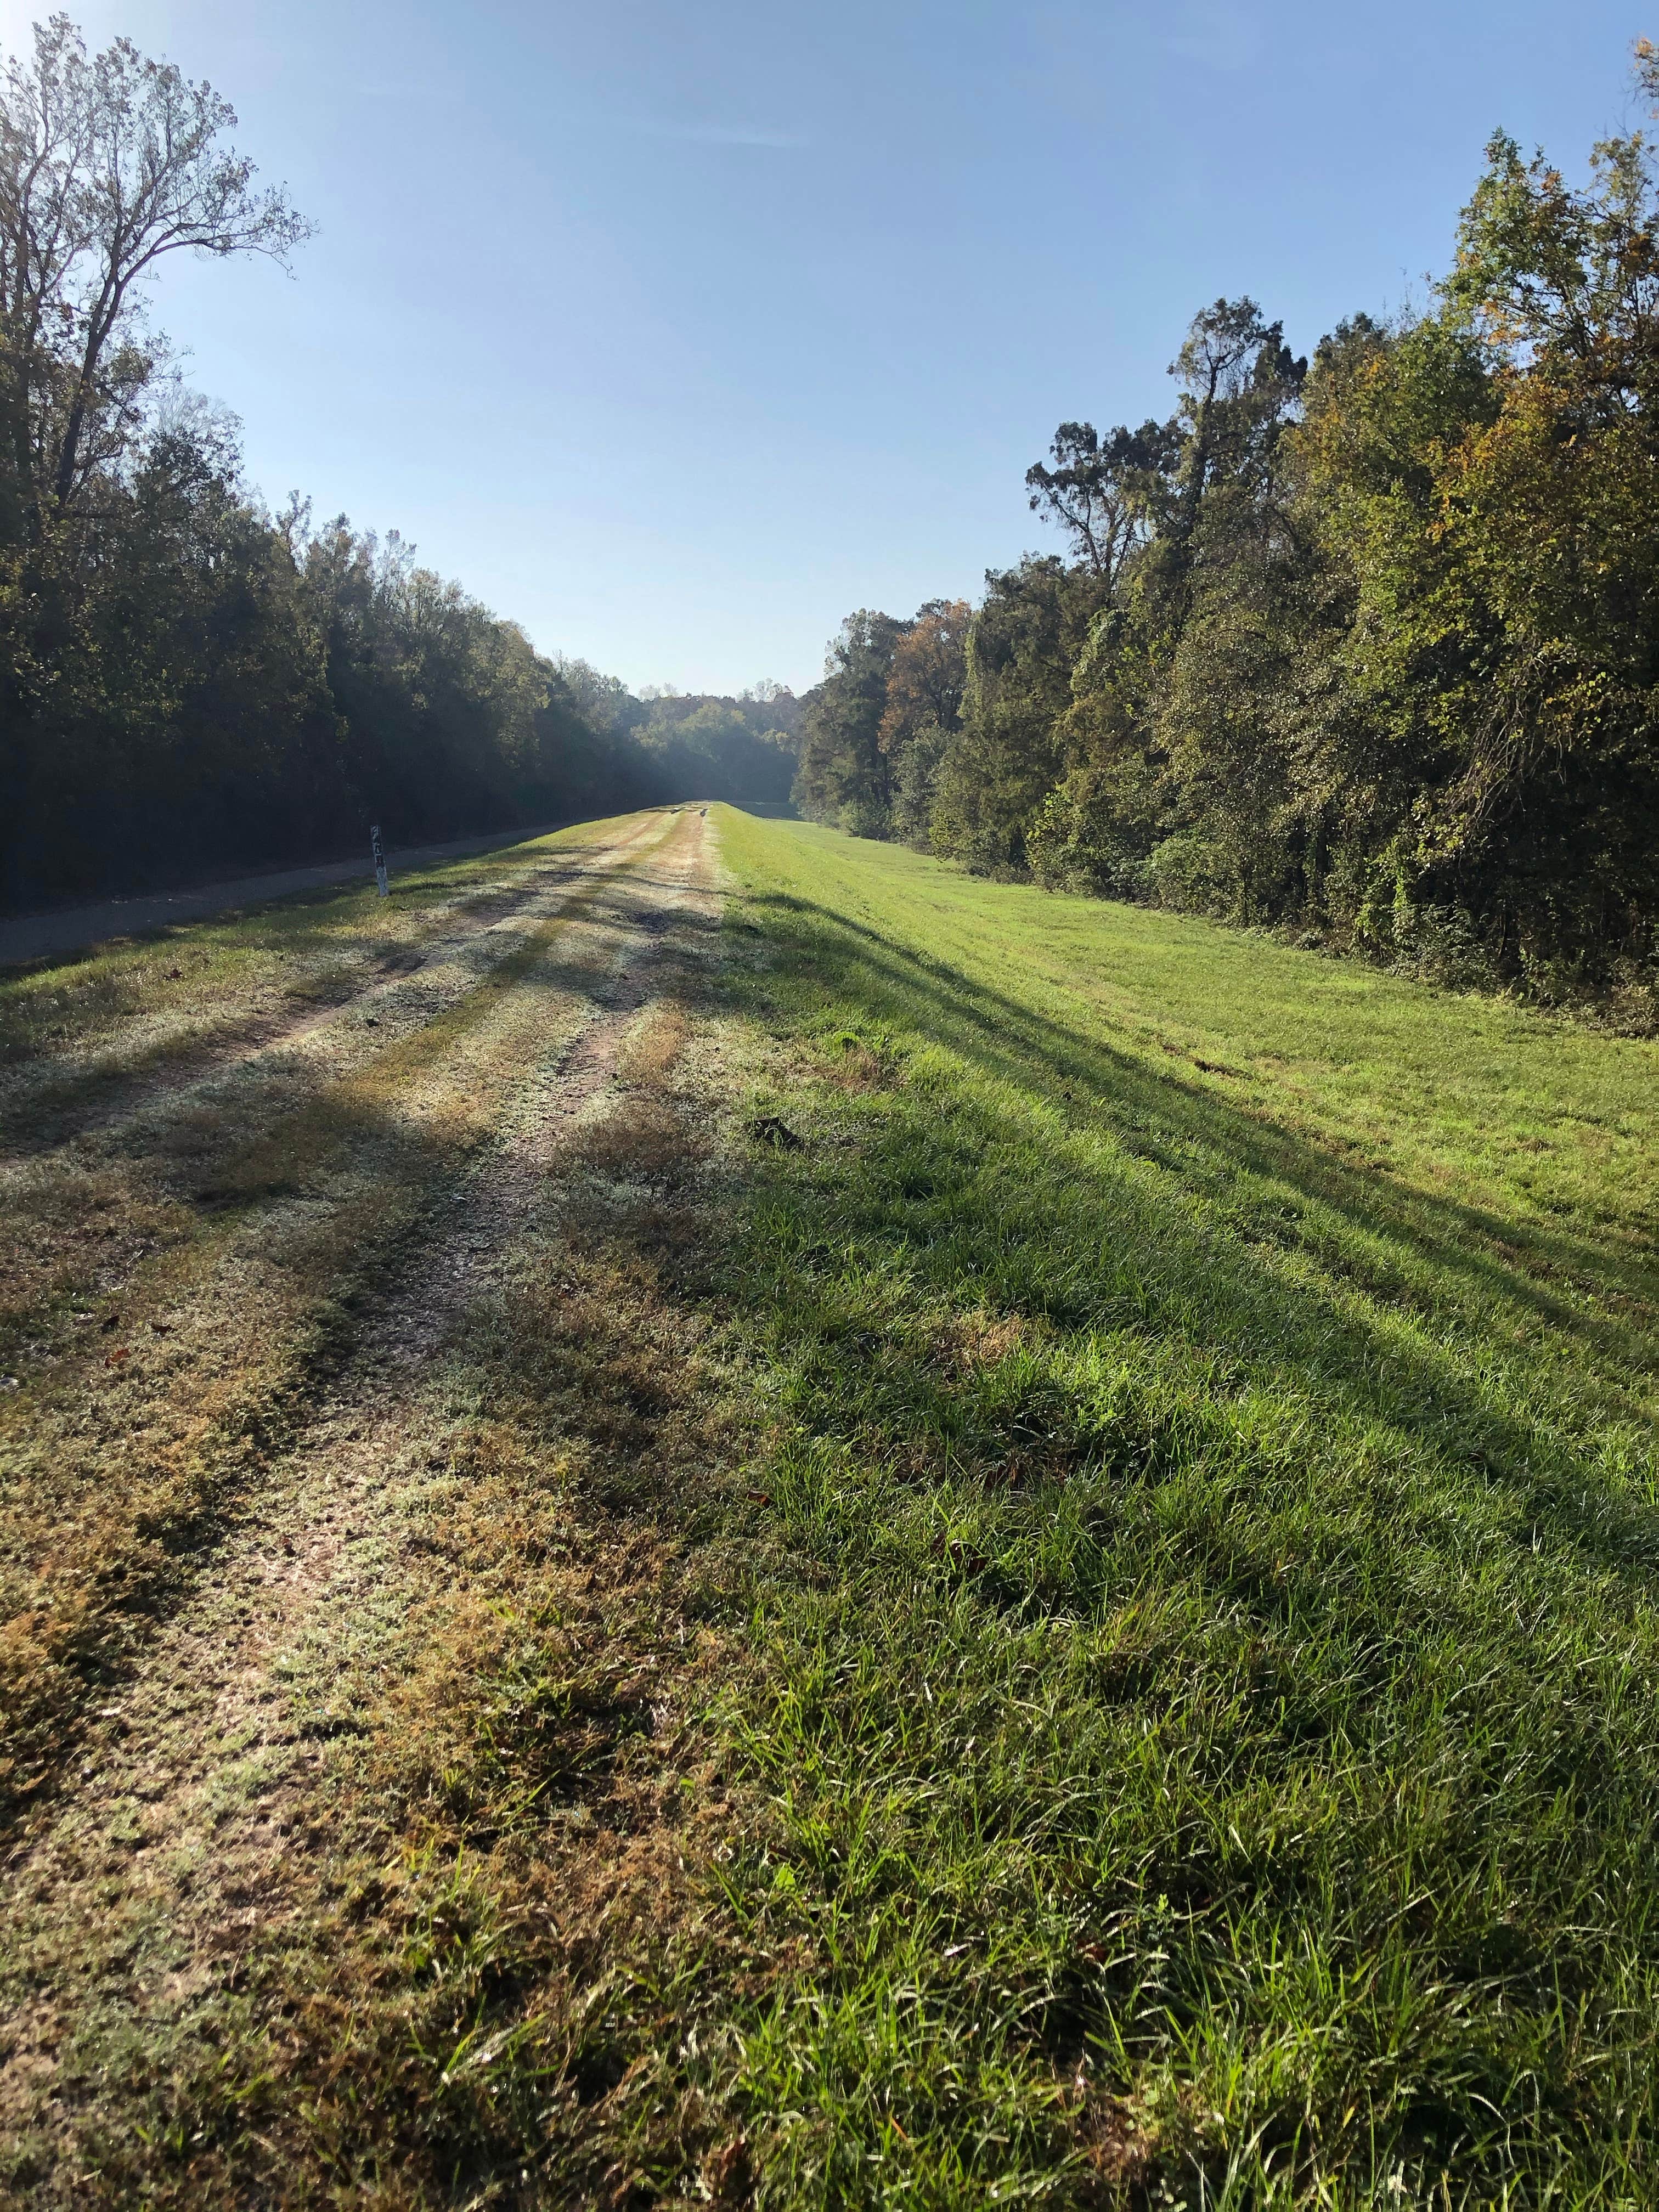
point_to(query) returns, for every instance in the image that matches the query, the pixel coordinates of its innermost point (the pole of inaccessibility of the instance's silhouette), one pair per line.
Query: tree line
(1365, 644)
(187, 681)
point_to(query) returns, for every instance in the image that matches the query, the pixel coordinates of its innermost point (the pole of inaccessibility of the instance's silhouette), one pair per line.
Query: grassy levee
(1205, 1688)
(166, 1331)
(1005, 1554)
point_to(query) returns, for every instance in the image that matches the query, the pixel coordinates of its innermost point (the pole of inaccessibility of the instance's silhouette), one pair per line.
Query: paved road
(35, 936)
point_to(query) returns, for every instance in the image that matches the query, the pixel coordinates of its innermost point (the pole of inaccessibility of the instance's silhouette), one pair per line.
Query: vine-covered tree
(1369, 644)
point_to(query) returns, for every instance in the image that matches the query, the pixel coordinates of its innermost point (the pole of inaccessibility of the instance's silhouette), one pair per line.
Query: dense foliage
(1365, 644)
(719, 747)
(187, 682)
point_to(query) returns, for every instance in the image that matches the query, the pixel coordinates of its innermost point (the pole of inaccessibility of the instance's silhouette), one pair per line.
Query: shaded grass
(153, 1081)
(488, 1952)
(121, 1460)
(1213, 1758)
(84, 1037)
(316, 946)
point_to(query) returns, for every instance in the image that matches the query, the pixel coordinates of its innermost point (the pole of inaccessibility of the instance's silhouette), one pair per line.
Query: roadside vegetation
(888, 1542)
(191, 685)
(1358, 642)
(713, 1512)
(343, 1696)
(216, 1150)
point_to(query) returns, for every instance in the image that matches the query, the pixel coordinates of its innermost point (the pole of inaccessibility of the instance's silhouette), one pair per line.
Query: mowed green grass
(1206, 1697)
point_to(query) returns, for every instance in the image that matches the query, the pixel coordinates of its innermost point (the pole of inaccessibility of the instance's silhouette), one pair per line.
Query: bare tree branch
(107, 164)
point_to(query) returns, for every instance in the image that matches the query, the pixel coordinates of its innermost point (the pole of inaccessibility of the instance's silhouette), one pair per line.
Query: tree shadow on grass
(1201, 1275)
(45, 1100)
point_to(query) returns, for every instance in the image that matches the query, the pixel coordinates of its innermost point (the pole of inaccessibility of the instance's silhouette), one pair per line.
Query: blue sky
(676, 333)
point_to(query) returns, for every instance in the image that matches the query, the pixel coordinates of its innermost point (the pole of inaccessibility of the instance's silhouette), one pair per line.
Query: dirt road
(244, 1583)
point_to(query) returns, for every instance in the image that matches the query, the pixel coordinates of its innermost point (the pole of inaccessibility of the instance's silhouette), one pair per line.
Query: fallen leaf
(730, 2179)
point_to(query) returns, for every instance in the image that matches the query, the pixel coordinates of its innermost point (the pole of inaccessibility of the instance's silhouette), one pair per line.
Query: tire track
(132, 1895)
(124, 1463)
(52, 1102)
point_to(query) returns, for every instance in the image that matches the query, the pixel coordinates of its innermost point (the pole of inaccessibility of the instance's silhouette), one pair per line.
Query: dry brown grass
(66, 1241)
(652, 1049)
(126, 1450)
(981, 1338)
(90, 1038)
(515, 1885)
(852, 1065)
(643, 1141)
(498, 1923)
(451, 1942)
(511, 1885)
(1119, 2144)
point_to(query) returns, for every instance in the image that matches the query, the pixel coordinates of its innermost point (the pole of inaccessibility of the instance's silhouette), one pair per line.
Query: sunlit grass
(1208, 1722)
(223, 1305)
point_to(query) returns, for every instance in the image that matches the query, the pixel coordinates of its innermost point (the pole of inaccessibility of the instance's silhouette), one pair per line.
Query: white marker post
(379, 860)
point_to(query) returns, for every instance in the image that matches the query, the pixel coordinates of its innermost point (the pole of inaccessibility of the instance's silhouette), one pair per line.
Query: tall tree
(923, 710)
(107, 164)
(1106, 494)
(928, 669)
(844, 775)
(1023, 645)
